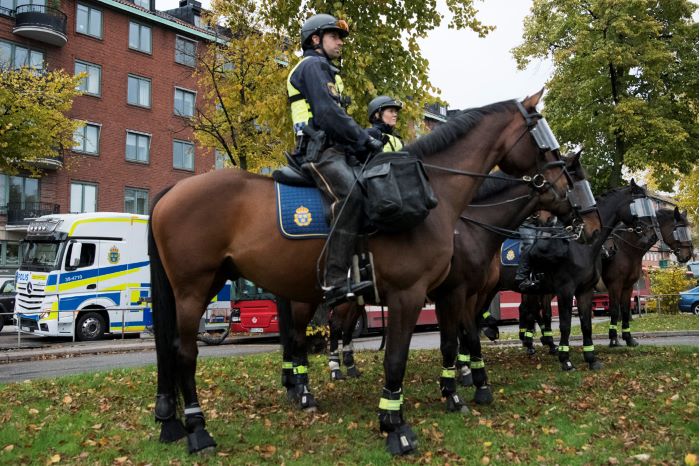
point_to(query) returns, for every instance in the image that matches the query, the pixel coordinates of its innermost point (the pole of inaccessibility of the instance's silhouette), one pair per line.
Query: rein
(514, 234)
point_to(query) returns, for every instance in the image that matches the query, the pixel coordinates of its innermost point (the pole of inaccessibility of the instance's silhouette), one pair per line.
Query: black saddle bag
(399, 195)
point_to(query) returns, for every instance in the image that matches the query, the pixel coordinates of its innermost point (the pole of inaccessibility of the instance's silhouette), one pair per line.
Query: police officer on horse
(328, 141)
(383, 111)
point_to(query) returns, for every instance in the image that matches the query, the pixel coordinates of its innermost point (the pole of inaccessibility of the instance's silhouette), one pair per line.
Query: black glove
(374, 145)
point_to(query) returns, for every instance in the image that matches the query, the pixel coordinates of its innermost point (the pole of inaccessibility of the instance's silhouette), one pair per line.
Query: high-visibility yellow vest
(394, 144)
(301, 110)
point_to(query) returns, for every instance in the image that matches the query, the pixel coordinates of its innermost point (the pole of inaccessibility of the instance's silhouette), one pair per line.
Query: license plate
(235, 319)
(256, 330)
(26, 329)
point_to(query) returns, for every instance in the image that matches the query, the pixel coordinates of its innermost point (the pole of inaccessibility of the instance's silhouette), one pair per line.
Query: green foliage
(688, 195)
(381, 55)
(669, 281)
(625, 82)
(243, 110)
(33, 121)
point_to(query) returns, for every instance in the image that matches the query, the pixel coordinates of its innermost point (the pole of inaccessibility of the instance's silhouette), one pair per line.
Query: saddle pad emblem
(510, 252)
(301, 212)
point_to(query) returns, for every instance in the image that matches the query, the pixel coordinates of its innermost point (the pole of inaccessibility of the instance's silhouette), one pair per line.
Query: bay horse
(578, 274)
(622, 270)
(195, 245)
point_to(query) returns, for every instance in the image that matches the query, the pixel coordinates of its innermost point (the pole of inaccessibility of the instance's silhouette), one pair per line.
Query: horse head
(631, 206)
(675, 232)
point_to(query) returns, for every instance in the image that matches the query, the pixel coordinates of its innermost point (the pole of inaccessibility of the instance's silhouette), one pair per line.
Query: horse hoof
(200, 441)
(614, 344)
(466, 379)
(553, 350)
(291, 395)
(336, 374)
(353, 372)
(401, 441)
(455, 404)
(632, 343)
(491, 333)
(567, 366)
(172, 430)
(307, 403)
(530, 351)
(483, 395)
(595, 365)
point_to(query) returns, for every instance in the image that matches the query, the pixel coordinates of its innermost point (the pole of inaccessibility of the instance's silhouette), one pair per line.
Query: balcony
(19, 214)
(46, 163)
(41, 23)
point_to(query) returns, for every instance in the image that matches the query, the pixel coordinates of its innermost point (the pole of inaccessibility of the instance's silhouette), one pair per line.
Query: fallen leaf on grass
(12, 447)
(33, 411)
(485, 460)
(690, 459)
(121, 460)
(67, 400)
(643, 457)
(54, 459)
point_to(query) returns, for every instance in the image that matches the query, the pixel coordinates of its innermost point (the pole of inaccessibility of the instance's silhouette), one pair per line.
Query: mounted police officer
(327, 138)
(383, 111)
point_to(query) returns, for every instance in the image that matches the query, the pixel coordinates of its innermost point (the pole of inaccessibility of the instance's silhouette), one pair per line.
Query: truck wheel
(90, 327)
(360, 326)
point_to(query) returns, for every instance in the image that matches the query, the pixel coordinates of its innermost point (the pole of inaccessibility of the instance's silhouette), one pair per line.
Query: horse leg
(585, 304)
(482, 394)
(302, 313)
(614, 308)
(522, 317)
(565, 302)
(336, 334)
(530, 306)
(348, 326)
(464, 372)
(547, 338)
(447, 308)
(403, 315)
(625, 307)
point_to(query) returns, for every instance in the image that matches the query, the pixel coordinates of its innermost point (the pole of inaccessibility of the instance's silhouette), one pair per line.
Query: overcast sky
(471, 71)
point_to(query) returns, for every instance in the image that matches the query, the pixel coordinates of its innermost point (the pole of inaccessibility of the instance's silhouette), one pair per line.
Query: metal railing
(41, 15)
(19, 213)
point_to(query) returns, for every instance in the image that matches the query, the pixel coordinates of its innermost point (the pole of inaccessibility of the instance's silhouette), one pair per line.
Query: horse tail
(164, 316)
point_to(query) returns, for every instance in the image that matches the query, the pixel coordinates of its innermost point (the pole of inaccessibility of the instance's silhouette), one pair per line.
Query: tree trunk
(615, 178)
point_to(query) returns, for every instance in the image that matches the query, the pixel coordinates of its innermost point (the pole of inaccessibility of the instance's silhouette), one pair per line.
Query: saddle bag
(399, 196)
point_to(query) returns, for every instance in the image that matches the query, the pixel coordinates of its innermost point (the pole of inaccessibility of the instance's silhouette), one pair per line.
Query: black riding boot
(338, 282)
(523, 276)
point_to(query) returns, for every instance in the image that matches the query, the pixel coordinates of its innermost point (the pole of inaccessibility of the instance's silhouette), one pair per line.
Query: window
(87, 255)
(13, 4)
(139, 92)
(83, 198)
(138, 147)
(90, 84)
(11, 253)
(16, 56)
(185, 51)
(220, 159)
(183, 155)
(143, 4)
(139, 37)
(18, 192)
(184, 102)
(86, 139)
(89, 21)
(136, 201)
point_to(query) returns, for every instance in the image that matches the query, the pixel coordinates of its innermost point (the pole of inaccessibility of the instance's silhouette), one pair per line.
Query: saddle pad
(301, 212)
(510, 252)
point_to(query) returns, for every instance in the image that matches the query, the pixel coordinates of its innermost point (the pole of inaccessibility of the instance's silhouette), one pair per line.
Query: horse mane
(447, 134)
(496, 184)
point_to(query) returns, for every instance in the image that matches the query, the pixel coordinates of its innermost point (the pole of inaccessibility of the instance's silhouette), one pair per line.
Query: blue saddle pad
(510, 252)
(301, 212)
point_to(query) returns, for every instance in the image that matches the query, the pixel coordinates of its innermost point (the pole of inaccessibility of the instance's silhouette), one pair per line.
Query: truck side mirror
(74, 257)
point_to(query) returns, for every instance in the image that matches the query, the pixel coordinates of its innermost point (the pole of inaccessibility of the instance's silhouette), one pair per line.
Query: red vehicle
(254, 310)
(640, 293)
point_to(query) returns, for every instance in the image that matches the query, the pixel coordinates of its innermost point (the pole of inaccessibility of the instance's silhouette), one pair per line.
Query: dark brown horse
(623, 269)
(197, 243)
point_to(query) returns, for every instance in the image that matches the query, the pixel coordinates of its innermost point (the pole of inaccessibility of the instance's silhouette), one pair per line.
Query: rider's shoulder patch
(332, 89)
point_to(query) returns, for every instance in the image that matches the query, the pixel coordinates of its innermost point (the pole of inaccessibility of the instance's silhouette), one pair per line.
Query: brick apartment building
(139, 87)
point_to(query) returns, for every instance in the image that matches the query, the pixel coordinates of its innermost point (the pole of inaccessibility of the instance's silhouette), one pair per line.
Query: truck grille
(27, 302)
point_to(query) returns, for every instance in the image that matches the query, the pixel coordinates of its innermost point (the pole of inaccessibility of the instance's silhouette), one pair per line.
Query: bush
(669, 282)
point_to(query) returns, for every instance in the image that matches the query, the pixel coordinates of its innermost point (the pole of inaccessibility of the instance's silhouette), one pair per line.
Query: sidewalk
(68, 350)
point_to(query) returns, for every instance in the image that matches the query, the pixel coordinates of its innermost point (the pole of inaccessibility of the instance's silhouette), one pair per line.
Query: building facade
(138, 91)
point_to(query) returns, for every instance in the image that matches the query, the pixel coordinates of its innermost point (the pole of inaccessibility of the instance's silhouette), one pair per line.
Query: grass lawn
(641, 408)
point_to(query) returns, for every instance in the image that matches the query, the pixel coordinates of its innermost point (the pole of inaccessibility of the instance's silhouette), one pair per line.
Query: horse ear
(532, 101)
(677, 214)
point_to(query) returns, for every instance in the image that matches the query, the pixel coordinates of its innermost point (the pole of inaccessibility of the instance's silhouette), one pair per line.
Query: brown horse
(197, 243)
(622, 270)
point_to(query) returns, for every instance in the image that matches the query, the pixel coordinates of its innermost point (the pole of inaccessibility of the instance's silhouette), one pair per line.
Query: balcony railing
(47, 163)
(17, 212)
(40, 22)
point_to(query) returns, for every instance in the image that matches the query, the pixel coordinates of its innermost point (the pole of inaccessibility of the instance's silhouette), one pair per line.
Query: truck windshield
(41, 255)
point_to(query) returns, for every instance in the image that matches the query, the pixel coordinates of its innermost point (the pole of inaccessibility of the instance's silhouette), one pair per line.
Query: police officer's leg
(522, 275)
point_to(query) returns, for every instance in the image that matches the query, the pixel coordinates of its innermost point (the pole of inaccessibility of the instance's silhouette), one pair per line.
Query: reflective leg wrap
(198, 438)
(171, 429)
(566, 364)
(464, 373)
(527, 342)
(612, 335)
(482, 394)
(301, 388)
(349, 361)
(401, 439)
(448, 389)
(334, 366)
(521, 333)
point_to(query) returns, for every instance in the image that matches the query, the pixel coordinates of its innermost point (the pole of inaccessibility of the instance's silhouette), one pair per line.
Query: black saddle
(292, 174)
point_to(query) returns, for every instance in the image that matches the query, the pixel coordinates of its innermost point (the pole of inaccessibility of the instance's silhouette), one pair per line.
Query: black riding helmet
(317, 24)
(380, 103)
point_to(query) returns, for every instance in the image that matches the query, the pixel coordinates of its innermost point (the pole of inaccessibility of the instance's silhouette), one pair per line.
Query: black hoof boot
(553, 350)
(530, 350)
(595, 365)
(464, 376)
(306, 401)
(614, 343)
(592, 361)
(630, 340)
(172, 430)
(567, 366)
(483, 395)
(200, 441)
(336, 374)
(448, 390)
(353, 372)
(492, 333)
(454, 404)
(402, 441)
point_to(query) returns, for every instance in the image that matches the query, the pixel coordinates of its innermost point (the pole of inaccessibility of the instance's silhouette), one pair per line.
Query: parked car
(692, 269)
(689, 301)
(7, 302)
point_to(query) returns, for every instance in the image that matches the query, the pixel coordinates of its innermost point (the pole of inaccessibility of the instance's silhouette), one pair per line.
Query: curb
(114, 347)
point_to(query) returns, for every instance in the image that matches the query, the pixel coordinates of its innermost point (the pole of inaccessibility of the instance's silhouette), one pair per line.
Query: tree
(33, 121)
(625, 82)
(243, 106)
(687, 196)
(381, 55)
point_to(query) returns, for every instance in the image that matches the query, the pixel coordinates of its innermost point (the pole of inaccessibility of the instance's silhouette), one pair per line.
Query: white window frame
(135, 192)
(194, 101)
(183, 143)
(194, 57)
(85, 88)
(140, 79)
(31, 53)
(89, 19)
(126, 145)
(82, 150)
(83, 184)
(220, 159)
(139, 47)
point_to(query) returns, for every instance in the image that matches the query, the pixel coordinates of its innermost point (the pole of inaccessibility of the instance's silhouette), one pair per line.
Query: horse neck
(607, 209)
(633, 244)
(667, 223)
